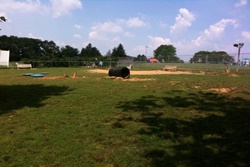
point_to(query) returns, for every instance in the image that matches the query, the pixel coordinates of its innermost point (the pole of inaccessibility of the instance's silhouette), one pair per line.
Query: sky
(139, 25)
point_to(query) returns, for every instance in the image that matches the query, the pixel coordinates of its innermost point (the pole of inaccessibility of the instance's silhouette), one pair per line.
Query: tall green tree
(29, 48)
(212, 57)
(21, 48)
(141, 57)
(49, 50)
(90, 52)
(69, 53)
(118, 52)
(11, 43)
(108, 54)
(166, 52)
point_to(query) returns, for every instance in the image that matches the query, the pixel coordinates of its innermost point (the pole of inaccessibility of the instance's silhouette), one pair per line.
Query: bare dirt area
(222, 90)
(131, 79)
(151, 72)
(52, 77)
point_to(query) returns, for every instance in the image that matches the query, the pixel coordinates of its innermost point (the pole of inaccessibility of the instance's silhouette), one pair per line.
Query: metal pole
(110, 62)
(238, 61)
(240, 45)
(206, 62)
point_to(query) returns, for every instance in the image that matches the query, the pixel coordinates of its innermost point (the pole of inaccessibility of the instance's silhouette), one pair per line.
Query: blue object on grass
(37, 75)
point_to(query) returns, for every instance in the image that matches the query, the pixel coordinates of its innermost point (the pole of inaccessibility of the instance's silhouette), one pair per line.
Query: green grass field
(92, 120)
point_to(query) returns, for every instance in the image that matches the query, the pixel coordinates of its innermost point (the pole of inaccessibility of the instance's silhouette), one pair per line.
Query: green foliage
(214, 57)
(118, 52)
(166, 52)
(49, 50)
(89, 53)
(140, 58)
(36, 49)
(29, 49)
(69, 52)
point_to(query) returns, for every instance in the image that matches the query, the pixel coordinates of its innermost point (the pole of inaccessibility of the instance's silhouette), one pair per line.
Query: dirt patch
(233, 75)
(133, 79)
(151, 72)
(53, 77)
(222, 90)
(174, 82)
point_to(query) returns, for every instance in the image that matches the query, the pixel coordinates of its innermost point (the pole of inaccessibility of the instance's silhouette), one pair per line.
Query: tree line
(29, 49)
(23, 49)
(219, 57)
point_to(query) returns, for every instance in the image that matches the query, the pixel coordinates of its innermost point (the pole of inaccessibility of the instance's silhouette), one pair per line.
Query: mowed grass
(92, 120)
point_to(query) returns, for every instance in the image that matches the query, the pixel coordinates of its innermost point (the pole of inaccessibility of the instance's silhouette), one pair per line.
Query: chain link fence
(142, 64)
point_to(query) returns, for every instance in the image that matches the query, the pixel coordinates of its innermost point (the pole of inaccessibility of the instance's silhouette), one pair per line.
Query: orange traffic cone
(74, 76)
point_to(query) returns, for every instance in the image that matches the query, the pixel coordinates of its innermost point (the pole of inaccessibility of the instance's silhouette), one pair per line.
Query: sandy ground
(152, 72)
(161, 72)
(222, 90)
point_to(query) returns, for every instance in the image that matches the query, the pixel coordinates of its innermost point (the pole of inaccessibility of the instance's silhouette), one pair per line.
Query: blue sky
(139, 25)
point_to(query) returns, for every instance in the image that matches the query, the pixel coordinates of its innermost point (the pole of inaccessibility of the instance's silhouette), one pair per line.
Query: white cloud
(128, 35)
(246, 35)
(214, 32)
(77, 26)
(109, 27)
(30, 35)
(155, 42)
(3, 14)
(24, 6)
(101, 30)
(241, 3)
(63, 7)
(183, 20)
(94, 35)
(77, 36)
(60, 43)
(135, 22)
(56, 7)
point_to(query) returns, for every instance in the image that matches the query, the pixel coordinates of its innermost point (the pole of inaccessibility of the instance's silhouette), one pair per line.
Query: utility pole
(239, 46)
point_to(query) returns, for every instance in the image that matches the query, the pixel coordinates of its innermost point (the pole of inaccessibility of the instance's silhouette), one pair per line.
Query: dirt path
(151, 72)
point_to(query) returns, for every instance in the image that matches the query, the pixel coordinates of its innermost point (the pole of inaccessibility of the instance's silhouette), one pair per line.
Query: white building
(4, 57)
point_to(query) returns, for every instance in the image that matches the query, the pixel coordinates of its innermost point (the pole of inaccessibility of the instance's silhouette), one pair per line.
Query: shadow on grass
(18, 96)
(213, 131)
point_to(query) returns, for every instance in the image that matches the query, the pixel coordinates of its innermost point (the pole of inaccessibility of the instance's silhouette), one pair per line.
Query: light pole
(146, 53)
(239, 46)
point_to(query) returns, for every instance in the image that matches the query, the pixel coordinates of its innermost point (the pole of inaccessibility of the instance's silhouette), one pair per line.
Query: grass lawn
(92, 120)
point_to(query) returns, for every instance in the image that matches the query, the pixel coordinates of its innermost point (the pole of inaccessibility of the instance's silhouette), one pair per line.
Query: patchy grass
(171, 120)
